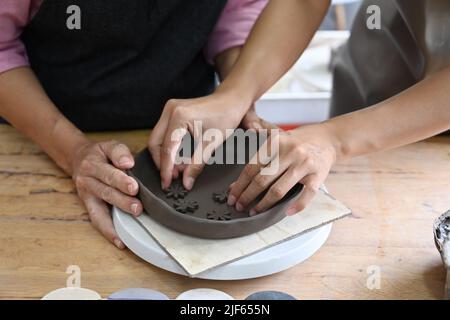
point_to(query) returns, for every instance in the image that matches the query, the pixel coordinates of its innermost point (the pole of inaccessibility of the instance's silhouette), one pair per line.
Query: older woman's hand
(100, 181)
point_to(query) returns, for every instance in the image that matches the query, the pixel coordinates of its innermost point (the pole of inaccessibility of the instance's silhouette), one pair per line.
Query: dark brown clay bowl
(202, 212)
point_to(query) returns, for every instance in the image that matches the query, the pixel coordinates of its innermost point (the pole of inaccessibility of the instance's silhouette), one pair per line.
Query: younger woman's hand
(100, 181)
(219, 111)
(304, 155)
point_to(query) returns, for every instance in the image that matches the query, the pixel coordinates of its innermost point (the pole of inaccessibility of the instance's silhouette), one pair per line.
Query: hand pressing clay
(203, 212)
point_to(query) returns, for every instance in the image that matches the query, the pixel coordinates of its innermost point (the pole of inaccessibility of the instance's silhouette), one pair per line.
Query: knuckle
(166, 151)
(117, 176)
(179, 112)
(102, 145)
(247, 172)
(171, 103)
(79, 182)
(276, 192)
(299, 151)
(296, 171)
(106, 194)
(110, 177)
(260, 181)
(85, 165)
(93, 217)
(309, 162)
(244, 200)
(153, 143)
(114, 143)
(311, 188)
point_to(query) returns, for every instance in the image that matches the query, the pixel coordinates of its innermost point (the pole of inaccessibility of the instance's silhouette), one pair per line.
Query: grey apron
(126, 61)
(374, 65)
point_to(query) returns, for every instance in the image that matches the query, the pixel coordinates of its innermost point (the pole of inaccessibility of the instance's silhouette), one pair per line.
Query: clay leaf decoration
(221, 196)
(185, 206)
(176, 191)
(224, 215)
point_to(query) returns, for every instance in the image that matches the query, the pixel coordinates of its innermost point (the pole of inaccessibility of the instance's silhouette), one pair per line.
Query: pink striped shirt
(231, 30)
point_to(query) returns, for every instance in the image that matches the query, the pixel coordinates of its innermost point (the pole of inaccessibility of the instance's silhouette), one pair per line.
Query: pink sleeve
(14, 16)
(233, 26)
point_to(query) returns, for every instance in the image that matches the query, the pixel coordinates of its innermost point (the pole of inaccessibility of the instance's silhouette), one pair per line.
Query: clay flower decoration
(220, 197)
(185, 206)
(176, 191)
(219, 215)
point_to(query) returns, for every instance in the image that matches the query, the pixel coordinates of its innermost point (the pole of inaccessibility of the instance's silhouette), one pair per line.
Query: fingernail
(291, 211)
(134, 208)
(239, 207)
(131, 188)
(119, 244)
(252, 212)
(231, 200)
(125, 161)
(189, 183)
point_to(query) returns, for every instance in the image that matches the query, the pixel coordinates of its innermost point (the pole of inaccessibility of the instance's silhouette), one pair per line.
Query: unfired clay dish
(203, 211)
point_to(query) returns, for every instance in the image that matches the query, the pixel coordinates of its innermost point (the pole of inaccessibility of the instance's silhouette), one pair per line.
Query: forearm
(280, 35)
(24, 104)
(226, 60)
(415, 114)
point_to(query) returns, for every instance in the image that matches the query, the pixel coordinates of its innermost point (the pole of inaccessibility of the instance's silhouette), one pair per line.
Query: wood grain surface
(395, 197)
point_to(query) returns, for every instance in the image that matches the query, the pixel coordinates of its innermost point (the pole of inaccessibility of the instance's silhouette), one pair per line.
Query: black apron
(374, 65)
(129, 57)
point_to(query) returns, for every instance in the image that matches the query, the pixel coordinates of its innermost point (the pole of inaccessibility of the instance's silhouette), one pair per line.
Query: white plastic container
(303, 95)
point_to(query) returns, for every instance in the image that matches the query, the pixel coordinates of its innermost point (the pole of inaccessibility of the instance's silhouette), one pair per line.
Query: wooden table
(395, 197)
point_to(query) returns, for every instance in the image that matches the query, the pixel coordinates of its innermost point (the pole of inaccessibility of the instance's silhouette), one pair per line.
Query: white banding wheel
(269, 261)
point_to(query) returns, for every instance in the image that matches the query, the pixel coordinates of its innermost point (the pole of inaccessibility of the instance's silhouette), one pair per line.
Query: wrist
(340, 146)
(237, 85)
(235, 99)
(67, 140)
